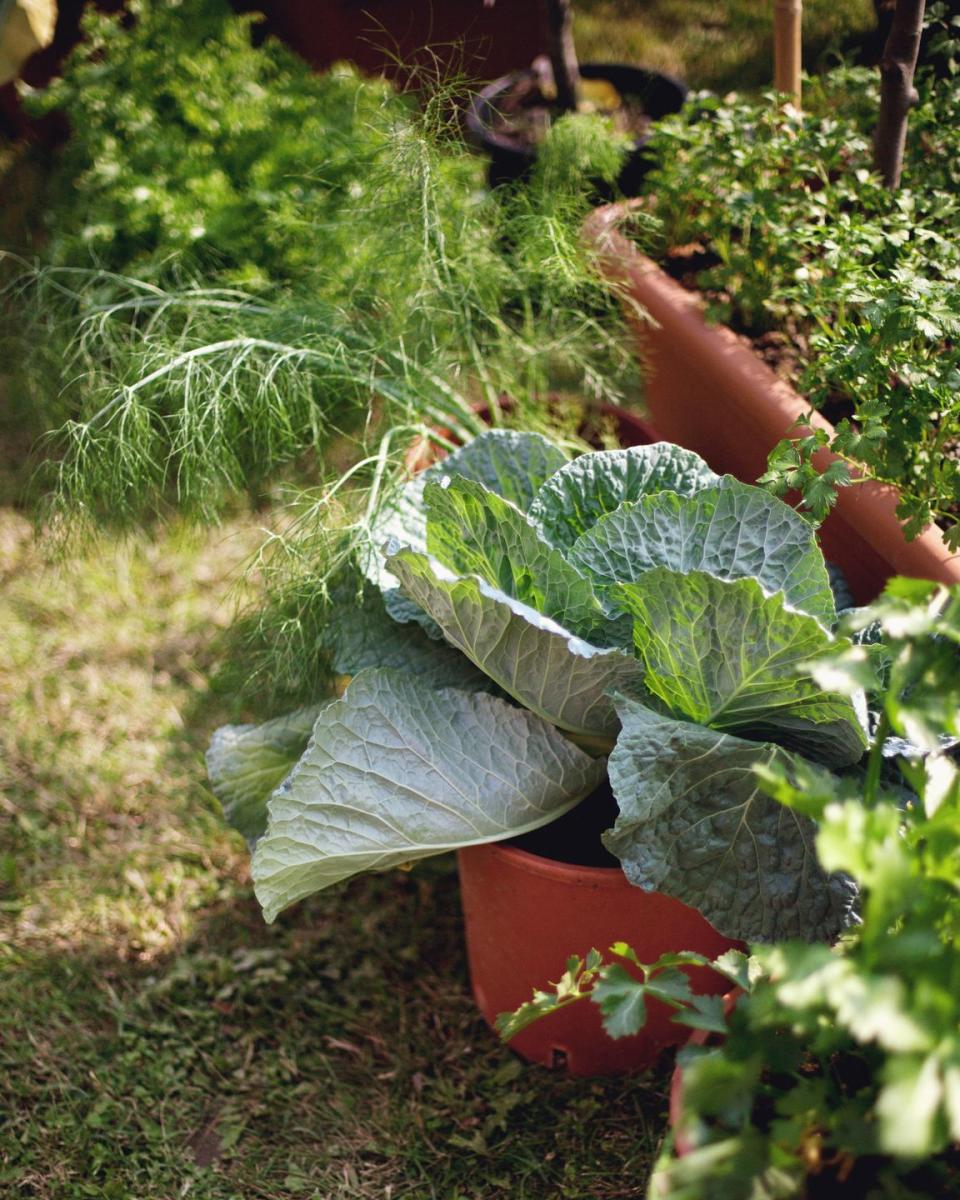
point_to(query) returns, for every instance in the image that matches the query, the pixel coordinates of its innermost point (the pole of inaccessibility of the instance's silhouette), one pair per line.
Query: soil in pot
(575, 837)
(524, 114)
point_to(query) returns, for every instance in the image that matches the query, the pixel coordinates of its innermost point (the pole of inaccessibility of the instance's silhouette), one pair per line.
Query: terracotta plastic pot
(709, 392)
(524, 915)
(700, 1037)
(509, 160)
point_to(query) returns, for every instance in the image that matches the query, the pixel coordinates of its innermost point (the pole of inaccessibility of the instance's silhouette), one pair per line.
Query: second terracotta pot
(707, 391)
(524, 915)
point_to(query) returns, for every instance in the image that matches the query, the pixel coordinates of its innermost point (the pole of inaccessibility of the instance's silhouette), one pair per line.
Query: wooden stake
(787, 45)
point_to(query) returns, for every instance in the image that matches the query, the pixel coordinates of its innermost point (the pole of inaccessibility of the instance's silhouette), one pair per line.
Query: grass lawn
(157, 1040)
(718, 44)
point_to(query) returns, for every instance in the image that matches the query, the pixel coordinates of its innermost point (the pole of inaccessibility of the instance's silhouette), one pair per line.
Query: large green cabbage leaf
(726, 654)
(549, 670)
(246, 763)
(575, 497)
(473, 531)
(511, 464)
(695, 825)
(397, 771)
(733, 531)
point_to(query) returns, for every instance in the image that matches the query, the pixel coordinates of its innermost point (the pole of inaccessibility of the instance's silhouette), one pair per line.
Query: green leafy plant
(838, 1067)
(521, 617)
(190, 147)
(622, 996)
(249, 271)
(861, 282)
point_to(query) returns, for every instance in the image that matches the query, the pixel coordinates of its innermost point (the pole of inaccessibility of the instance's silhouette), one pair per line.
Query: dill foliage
(245, 262)
(251, 276)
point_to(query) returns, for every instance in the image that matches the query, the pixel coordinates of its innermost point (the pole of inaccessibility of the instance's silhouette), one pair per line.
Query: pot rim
(554, 869)
(477, 113)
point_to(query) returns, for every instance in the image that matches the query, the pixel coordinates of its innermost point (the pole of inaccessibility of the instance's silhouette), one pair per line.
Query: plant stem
(563, 53)
(897, 93)
(872, 784)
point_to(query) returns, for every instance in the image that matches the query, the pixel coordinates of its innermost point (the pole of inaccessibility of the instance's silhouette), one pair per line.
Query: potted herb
(836, 288)
(833, 1071)
(510, 117)
(524, 616)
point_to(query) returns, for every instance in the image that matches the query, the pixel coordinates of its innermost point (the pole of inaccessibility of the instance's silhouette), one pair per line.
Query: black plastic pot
(660, 95)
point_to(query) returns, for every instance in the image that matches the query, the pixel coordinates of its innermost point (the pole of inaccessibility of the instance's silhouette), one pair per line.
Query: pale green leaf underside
(397, 771)
(733, 531)
(543, 666)
(580, 493)
(246, 763)
(728, 655)
(473, 531)
(694, 824)
(513, 465)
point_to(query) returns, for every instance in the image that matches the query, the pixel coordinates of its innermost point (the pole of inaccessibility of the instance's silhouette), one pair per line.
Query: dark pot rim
(481, 104)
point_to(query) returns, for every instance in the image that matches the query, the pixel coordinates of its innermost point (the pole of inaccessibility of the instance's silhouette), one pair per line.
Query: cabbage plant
(530, 624)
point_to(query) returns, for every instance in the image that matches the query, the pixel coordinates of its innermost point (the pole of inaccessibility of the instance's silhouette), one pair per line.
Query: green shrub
(189, 147)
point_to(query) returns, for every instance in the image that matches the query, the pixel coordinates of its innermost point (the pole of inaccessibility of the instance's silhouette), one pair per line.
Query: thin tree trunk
(563, 54)
(897, 94)
(787, 46)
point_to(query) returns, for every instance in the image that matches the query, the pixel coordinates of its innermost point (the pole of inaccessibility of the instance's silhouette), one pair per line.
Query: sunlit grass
(96, 659)
(711, 43)
(157, 1039)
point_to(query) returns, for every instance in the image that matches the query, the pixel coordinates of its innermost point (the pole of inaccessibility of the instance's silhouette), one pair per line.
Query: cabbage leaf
(397, 771)
(732, 531)
(473, 531)
(695, 825)
(543, 666)
(727, 655)
(577, 495)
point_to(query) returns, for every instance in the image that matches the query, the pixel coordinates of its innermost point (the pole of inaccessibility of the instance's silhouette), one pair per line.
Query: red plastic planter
(525, 915)
(700, 1037)
(397, 36)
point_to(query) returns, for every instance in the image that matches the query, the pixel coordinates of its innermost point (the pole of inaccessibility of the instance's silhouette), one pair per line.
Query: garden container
(707, 391)
(398, 37)
(407, 40)
(511, 160)
(698, 1037)
(525, 914)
